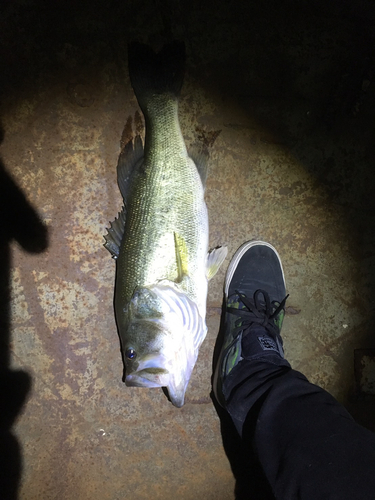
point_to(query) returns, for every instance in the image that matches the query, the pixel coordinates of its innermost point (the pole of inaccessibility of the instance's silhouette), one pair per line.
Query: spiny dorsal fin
(215, 258)
(128, 165)
(115, 233)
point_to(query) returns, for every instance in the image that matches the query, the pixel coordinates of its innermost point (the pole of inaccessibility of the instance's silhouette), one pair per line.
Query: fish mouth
(150, 377)
(152, 372)
(158, 377)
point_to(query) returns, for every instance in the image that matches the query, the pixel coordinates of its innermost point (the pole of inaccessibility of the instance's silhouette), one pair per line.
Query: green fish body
(160, 239)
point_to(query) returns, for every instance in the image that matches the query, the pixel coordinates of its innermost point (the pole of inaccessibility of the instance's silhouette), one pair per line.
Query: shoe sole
(237, 257)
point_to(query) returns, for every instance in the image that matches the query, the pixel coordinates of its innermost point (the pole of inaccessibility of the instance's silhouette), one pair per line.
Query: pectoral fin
(214, 260)
(181, 257)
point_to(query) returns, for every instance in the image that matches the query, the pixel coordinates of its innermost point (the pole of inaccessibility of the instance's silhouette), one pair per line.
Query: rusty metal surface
(281, 170)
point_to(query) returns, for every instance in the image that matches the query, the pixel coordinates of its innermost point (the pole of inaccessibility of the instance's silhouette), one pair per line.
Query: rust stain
(292, 311)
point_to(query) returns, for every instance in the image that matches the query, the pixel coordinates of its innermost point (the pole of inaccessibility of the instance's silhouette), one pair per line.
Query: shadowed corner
(251, 482)
(20, 222)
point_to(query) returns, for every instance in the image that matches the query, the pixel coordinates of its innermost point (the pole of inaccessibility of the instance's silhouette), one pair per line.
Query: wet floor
(283, 93)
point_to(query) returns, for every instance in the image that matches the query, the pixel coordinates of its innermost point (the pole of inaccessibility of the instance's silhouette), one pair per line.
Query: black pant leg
(308, 445)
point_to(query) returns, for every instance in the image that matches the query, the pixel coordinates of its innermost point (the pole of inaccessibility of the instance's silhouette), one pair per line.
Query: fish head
(161, 331)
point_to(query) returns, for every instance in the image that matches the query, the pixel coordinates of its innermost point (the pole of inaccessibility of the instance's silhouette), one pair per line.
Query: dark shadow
(19, 222)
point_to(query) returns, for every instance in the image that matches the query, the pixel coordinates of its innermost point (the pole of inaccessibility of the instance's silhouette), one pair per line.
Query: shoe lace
(257, 312)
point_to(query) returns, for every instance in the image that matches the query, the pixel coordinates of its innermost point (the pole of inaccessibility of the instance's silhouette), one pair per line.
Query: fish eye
(130, 353)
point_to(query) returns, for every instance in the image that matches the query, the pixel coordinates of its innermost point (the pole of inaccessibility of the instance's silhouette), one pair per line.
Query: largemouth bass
(160, 239)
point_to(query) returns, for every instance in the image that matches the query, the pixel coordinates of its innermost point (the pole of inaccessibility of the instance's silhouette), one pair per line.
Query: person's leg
(307, 444)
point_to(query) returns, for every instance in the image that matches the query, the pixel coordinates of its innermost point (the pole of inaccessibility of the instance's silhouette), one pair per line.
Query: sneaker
(254, 309)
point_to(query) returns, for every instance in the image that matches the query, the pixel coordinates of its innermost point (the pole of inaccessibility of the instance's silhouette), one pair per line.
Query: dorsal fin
(200, 156)
(115, 233)
(129, 163)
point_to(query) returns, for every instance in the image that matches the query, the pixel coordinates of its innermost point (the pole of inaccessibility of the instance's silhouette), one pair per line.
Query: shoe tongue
(258, 342)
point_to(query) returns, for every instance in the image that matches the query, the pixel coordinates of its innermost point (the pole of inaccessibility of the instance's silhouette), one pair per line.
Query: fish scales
(160, 239)
(167, 199)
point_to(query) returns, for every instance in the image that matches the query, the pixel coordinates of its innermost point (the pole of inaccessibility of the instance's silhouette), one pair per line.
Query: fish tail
(156, 73)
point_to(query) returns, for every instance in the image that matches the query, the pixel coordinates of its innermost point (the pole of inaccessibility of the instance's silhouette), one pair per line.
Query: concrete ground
(288, 88)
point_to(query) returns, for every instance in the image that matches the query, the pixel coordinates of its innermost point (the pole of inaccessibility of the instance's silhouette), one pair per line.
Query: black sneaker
(254, 299)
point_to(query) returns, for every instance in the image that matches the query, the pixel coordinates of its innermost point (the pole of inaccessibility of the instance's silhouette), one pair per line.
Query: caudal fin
(156, 73)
